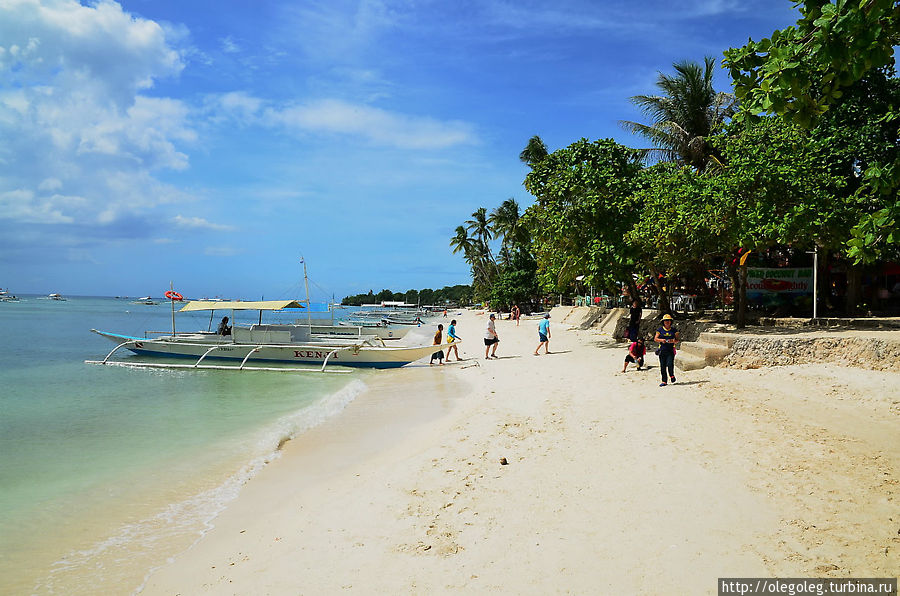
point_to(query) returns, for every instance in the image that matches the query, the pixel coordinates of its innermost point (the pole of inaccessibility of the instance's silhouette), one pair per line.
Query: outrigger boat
(270, 343)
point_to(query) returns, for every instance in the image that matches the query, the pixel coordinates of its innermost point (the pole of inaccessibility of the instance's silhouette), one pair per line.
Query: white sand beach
(612, 485)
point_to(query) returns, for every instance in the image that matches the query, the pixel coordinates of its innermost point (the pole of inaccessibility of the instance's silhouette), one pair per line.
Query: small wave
(147, 539)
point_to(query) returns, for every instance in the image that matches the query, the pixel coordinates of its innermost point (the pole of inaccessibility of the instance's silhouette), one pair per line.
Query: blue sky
(214, 143)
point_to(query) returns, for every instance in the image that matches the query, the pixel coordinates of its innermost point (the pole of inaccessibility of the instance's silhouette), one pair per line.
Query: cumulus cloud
(81, 141)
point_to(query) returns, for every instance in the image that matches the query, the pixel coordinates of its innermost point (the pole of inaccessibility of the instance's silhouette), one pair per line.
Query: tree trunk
(824, 283)
(742, 309)
(735, 280)
(854, 285)
(665, 305)
(633, 289)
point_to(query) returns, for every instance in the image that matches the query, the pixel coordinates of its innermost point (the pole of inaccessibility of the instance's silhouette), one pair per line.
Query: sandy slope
(613, 485)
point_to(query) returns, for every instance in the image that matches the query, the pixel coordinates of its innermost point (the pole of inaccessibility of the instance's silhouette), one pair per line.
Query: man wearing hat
(491, 339)
(543, 335)
(666, 336)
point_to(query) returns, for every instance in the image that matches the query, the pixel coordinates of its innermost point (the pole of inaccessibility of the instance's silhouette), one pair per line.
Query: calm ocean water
(106, 465)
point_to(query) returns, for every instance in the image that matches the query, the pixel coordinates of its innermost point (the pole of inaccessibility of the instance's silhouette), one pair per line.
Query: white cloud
(199, 223)
(337, 117)
(379, 127)
(23, 206)
(81, 142)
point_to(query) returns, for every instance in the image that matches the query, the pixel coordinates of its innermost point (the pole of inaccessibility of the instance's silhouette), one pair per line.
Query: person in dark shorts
(636, 352)
(491, 339)
(666, 336)
(543, 335)
(438, 340)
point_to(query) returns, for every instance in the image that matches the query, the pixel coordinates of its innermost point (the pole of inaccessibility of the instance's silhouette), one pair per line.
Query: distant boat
(5, 296)
(56, 297)
(145, 300)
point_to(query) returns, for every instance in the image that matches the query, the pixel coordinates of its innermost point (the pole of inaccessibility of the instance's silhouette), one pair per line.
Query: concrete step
(711, 353)
(688, 362)
(724, 339)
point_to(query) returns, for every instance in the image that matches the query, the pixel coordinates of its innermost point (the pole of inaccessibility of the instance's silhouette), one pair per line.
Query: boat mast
(306, 283)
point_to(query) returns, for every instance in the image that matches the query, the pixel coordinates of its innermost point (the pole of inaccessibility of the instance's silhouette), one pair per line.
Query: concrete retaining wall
(871, 354)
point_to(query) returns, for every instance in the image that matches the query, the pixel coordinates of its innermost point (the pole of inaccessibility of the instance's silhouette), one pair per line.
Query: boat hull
(313, 353)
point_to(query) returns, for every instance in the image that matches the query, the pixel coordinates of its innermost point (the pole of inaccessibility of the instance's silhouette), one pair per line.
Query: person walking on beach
(636, 352)
(438, 340)
(543, 335)
(666, 336)
(516, 313)
(453, 339)
(491, 339)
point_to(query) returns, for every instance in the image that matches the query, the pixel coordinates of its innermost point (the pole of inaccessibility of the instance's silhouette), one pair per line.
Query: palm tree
(473, 253)
(480, 225)
(505, 223)
(534, 151)
(462, 242)
(686, 113)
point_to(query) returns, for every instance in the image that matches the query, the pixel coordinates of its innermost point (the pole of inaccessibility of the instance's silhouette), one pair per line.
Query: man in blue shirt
(543, 335)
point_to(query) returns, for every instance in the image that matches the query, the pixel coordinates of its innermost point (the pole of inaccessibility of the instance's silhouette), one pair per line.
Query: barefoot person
(491, 339)
(543, 335)
(666, 336)
(453, 339)
(636, 352)
(438, 340)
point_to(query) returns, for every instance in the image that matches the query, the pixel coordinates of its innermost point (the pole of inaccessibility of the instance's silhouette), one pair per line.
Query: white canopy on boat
(258, 305)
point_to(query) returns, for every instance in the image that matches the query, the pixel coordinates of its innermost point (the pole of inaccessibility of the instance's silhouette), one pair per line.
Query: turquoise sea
(105, 470)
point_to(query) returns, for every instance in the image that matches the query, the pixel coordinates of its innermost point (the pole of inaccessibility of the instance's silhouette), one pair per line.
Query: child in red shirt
(636, 353)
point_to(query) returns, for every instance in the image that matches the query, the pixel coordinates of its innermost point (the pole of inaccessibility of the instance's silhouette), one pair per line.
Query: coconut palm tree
(474, 254)
(481, 226)
(506, 224)
(684, 115)
(462, 242)
(534, 151)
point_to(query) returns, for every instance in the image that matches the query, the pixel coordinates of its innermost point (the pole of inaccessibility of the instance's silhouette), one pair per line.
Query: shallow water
(103, 465)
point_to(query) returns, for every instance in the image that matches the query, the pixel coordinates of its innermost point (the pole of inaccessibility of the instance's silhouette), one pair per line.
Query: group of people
(666, 336)
(452, 339)
(491, 338)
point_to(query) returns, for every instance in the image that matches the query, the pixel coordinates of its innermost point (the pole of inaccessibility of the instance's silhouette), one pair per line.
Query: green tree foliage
(517, 283)
(684, 115)
(863, 128)
(683, 221)
(584, 209)
(779, 185)
(459, 294)
(802, 70)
